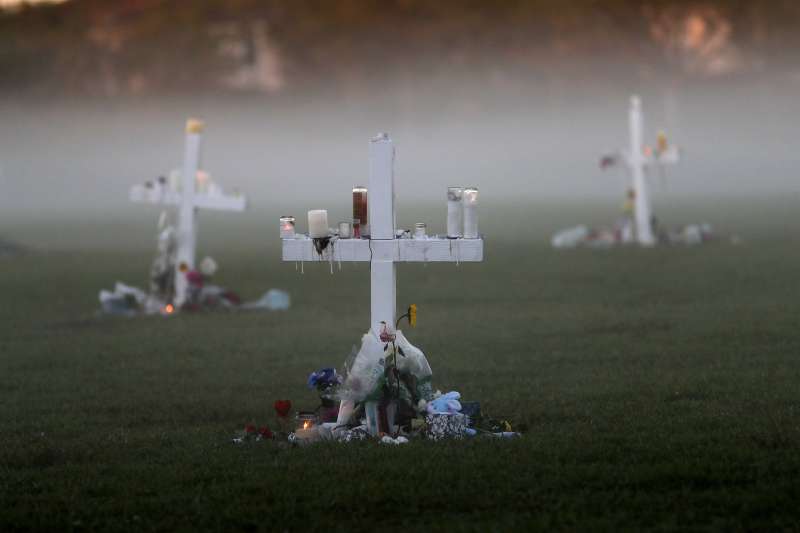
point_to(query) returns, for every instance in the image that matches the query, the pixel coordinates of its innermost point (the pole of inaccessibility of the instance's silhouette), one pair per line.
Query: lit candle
(310, 434)
(203, 179)
(455, 210)
(308, 430)
(471, 213)
(318, 223)
(287, 227)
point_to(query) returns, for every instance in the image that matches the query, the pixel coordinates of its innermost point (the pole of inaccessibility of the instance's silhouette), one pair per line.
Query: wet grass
(659, 389)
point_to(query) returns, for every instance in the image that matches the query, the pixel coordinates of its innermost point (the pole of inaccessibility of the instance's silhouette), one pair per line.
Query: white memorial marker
(188, 200)
(383, 250)
(638, 161)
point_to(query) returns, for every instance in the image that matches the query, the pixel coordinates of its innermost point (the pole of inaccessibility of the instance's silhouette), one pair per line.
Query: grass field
(660, 388)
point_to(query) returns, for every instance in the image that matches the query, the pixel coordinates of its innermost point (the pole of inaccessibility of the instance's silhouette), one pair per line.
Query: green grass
(659, 388)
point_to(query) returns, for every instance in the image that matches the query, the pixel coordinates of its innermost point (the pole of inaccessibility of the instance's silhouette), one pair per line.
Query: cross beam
(383, 250)
(188, 200)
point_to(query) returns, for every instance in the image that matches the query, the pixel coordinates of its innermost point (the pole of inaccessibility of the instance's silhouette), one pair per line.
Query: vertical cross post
(637, 161)
(187, 228)
(383, 271)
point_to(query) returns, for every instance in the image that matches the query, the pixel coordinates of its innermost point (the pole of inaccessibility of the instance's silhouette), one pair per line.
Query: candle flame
(306, 424)
(169, 309)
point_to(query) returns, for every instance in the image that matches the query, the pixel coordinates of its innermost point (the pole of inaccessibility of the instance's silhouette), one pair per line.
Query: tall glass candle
(318, 223)
(360, 216)
(470, 199)
(287, 227)
(455, 210)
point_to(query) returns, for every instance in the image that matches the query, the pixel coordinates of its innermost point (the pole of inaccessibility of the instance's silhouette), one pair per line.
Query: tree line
(97, 46)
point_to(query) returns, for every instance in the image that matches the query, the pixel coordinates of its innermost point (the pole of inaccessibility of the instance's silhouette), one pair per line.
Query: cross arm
(161, 195)
(395, 250)
(671, 156)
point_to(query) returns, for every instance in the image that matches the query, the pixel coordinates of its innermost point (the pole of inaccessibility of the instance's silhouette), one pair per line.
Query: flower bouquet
(326, 381)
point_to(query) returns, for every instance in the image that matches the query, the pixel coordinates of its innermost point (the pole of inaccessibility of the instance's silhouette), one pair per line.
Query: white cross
(188, 200)
(383, 250)
(638, 162)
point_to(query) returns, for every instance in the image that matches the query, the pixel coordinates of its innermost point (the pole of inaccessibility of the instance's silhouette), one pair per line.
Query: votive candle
(318, 223)
(287, 227)
(345, 230)
(202, 180)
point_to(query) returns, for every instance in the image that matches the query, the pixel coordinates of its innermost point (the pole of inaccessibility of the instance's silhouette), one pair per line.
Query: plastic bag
(123, 300)
(365, 376)
(272, 300)
(570, 237)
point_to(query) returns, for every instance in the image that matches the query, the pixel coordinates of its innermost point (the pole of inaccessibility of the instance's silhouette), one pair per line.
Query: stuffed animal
(445, 404)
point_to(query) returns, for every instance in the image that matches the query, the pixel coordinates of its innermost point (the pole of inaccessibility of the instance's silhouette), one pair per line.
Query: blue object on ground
(272, 300)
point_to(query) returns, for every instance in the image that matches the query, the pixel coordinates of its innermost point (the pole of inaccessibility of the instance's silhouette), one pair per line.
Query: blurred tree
(129, 46)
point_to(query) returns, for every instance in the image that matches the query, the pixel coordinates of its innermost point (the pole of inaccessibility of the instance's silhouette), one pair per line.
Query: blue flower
(323, 378)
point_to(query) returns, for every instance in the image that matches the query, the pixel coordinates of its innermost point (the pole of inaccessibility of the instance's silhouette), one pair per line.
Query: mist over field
(521, 99)
(83, 155)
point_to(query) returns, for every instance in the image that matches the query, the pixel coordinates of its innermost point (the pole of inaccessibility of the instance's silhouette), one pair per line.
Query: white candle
(420, 230)
(455, 210)
(471, 213)
(318, 223)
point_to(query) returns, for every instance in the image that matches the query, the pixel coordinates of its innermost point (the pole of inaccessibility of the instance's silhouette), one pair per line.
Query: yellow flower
(412, 315)
(662, 142)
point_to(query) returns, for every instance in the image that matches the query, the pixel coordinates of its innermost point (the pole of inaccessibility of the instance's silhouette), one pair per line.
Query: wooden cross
(639, 159)
(383, 249)
(188, 200)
